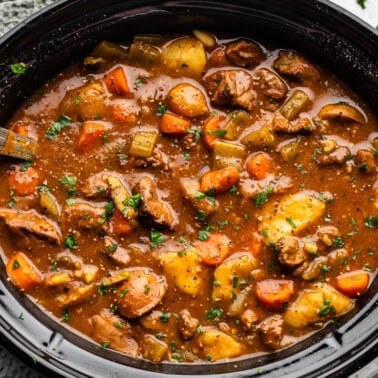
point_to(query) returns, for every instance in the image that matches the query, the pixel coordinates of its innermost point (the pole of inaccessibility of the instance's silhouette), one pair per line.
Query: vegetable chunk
(290, 215)
(274, 293)
(353, 284)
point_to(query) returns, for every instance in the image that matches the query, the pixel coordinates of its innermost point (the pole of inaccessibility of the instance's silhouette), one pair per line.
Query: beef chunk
(365, 161)
(295, 67)
(244, 53)
(270, 88)
(271, 330)
(249, 318)
(110, 328)
(230, 88)
(290, 251)
(187, 324)
(116, 252)
(159, 211)
(282, 124)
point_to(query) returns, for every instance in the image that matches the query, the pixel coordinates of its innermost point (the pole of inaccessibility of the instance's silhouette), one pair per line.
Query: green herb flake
(70, 242)
(66, 316)
(70, 201)
(263, 196)
(201, 215)
(21, 316)
(164, 317)
(118, 325)
(133, 201)
(214, 314)
(123, 293)
(199, 195)
(109, 209)
(160, 335)
(161, 110)
(338, 242)
(138, 81)
(371, 222)
(291, 222)
(11, 203)
(233, 190)
(367, 268)
(57, 126)
(186, 156)
(361, 3)
(203, 235)
(66, 180)
(77, 100)
(26, 164)
(146, 289)
(235, 282)
(181, 253)
(218, 133)
(43, 188)
(15, 265)
(208, 358)
(156, 238)
(19, 68)
(105, 344)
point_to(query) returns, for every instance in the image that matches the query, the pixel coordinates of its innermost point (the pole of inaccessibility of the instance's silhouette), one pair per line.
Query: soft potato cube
(154, 349)
(184, 269)
(187, 101)
(218, 344)
(291, 215)
(305, 309)
(184, 57)
(238, 265)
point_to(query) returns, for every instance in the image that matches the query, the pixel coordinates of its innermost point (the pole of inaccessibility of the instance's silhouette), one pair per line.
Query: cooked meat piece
(328, 234)
(291, 253)
(249, 318)
(270, 87)
(158, 160)
(95, 186)
(218, 58)
(153, 207)
(251, 188)
(244, 53)
(282, 124)
(187, 324)
(85, 215)
(116, 252)
(271, 331)
(190, 187)
(107, 327)
(338, 156)
(32, 222)
(295, 67)
(230, 88)
(365, 161)
(143, 291)
(74, 293)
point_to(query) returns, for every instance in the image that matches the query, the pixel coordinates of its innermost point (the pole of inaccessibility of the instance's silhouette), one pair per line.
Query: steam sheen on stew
(193, 198)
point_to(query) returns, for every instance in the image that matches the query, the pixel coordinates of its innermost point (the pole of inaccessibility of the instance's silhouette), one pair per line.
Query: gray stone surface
(12, 12)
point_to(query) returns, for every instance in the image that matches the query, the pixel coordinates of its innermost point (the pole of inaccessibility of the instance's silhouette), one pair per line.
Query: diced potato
(262, 137)
(84, 103)
(228, 155)
(151, 321)
(236, 124)
(291, 215)
(218, 344)
(57, 279)
(143, 53)
(78, 293)
(106, 49)
(341, 112)
(187, 101)
(49, 204)
(305, 310)
(340, 302)
(294, 105)
(238, 265)
(143, 143)
(374, 143)
(184, 270)
(206, 38)
(185, 56)
(154, 349)
(289, 150)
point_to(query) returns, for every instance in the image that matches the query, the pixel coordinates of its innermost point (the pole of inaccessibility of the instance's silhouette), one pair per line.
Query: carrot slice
(353, 284)
(116, 82)
(125, 113)
(174, 124)
(24, 181)
(23, 272)
(219, 181)
(21, 129)
(274, 293)
(214, 250)
(213, 130)
(259, 166)
(120, 225)
(91, 134)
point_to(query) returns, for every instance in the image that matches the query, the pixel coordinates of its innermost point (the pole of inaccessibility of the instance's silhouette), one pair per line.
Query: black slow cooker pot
(66, 31)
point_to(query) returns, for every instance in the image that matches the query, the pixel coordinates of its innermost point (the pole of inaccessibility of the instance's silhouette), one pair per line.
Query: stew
(193, 198)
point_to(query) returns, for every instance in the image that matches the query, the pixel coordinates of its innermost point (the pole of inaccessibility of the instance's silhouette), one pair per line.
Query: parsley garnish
(214, 314)
(372, 221)
(15, 265)
(263, 196)
(338, 242)
(218, 133)
(132, 201)
(66, 180)
(70, 242)
(291, 222)
(19, 68)
(161, 110)
(43, 188)
(66, 317)
(164, 317)
(203, 235)
(109, 209)
(157, 238)
(57, 126)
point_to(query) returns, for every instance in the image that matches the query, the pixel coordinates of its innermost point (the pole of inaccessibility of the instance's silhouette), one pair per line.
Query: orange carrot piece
(353, 284)
(213, 126)
(91, 134)
(21, 129)
(120, 225)
(174, 124)
(116, 82)
(23, 272)
(219, 181)
(259, 166)
(255, 244)
(214, 250)
(125, 113)
(24, 182)
(274, 293)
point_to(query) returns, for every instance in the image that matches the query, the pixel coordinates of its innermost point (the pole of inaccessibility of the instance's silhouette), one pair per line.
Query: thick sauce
(193, 198)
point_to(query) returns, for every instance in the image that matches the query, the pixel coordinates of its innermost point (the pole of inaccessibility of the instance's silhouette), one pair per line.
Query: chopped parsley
(164, 317)
(161, 110)
(361, 3)
(70, 242)
(146, 289)
(197, 133)
(138, 81)
(157, 238)
(66, 180)
(133, 201)
(372, 221)
(19, 68)
(43, 188)
(218, 133)
(57, 126)
(203, 235)
(26, 164)
(201, 215)
(291, 222)
(109, 209)
(338, 242)
(105, 344)
(233, 190)
(327, 309)
(214, 314)
(15, 265)
(263, 196)
(66, 316)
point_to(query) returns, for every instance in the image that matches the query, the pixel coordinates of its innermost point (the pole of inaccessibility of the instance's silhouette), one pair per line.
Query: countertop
(14, 11)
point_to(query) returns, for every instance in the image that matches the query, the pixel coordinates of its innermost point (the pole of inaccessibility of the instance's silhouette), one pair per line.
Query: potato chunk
(184, 269)
(218, 344)
(187, 100)
(185, 56)
(238, 265)
(290, 215)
